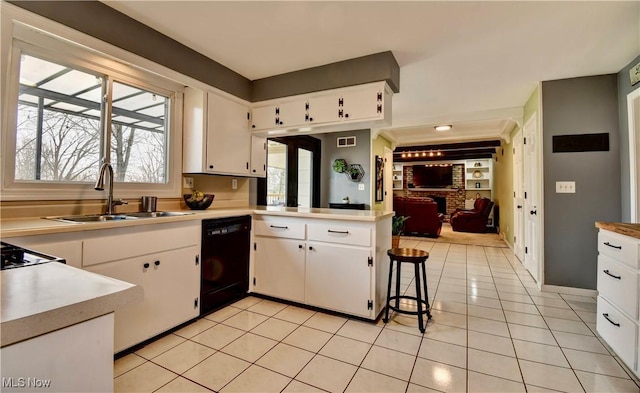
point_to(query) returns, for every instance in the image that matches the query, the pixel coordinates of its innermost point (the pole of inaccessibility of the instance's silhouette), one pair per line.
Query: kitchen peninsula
(329, 258)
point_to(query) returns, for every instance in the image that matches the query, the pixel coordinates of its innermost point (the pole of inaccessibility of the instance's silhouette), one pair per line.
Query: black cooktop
(16, 256)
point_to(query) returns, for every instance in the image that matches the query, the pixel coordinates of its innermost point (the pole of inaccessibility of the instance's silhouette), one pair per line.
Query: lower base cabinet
(339, 278)
(83, 356)
(280, 268)
(171, 284)
(332, 264)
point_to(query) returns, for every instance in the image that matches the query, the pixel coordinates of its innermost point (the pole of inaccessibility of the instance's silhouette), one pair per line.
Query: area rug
(474, 239)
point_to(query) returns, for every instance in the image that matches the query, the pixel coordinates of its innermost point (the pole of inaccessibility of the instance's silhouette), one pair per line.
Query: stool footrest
(426, 309)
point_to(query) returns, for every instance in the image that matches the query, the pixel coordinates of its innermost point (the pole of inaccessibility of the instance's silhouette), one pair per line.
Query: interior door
(518, 197)
(532, 213)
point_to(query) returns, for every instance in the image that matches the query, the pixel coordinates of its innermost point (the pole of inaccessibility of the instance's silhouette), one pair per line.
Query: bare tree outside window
(59, 133)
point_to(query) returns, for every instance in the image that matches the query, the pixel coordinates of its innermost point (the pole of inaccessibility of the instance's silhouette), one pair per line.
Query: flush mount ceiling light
(443, 127)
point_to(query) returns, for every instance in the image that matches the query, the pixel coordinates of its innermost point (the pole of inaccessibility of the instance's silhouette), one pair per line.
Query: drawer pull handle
(343, 232)
(278, 227)
(606, 316)
(609, 274)
(612, 246)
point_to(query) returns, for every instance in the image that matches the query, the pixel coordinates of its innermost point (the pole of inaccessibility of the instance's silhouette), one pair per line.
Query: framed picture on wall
(379, 179)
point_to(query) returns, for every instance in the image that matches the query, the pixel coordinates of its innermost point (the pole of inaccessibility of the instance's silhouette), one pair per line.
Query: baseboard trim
(569, 290)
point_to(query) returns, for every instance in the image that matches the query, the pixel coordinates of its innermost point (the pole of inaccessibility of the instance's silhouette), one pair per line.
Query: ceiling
(471, 64)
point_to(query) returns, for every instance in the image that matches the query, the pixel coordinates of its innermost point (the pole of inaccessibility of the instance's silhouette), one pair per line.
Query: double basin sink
(117, 217)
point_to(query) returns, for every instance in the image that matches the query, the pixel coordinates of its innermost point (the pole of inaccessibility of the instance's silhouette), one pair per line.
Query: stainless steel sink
(94, 218)
(117, 217)
(157, 214)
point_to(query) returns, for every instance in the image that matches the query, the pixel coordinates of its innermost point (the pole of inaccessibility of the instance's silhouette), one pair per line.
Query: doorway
(388, 179)
(293, 173)
(633, 108)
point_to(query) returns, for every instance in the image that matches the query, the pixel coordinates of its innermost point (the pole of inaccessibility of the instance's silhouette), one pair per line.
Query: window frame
(34, 42)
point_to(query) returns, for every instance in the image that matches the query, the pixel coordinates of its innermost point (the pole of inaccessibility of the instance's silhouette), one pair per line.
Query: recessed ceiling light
(443, 127)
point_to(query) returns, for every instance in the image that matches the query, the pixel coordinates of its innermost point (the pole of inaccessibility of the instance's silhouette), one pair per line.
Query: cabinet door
(323, 109)
(280, 268)
(338, 278)
(228, 137)
(258, 156)
(131, 321)
(263, 118)
(174, 290)
(362, 104)
(292, 113)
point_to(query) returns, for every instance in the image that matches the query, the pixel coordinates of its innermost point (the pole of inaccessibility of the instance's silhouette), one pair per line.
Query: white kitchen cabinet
(65, 246)
(362, 106)
(361, 103)
(258, 156)
(284, 114)
(216, 138)
(340, 265)
(338, 278)
(280, 267)
(171, 284)
(78, 358)
(618, 319)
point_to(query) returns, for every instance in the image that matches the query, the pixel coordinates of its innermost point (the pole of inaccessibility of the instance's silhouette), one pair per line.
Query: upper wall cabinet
(216, 138)
(362, 106)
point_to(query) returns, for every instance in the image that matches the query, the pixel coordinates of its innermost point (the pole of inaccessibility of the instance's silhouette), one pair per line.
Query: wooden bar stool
(418, 259)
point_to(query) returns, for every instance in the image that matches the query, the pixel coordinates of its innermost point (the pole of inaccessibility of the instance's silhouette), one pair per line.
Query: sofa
(473, 220)
(424, 219)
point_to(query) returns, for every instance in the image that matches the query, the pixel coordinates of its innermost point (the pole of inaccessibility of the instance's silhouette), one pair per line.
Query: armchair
(474, 220)
(424, 218)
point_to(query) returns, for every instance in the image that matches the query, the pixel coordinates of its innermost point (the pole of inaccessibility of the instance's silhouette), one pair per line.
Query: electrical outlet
(187, 182)
(565, 187)
(234, 184)
(361, 187)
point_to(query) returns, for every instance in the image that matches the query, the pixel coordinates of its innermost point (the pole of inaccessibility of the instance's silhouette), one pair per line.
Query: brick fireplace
(453, 197)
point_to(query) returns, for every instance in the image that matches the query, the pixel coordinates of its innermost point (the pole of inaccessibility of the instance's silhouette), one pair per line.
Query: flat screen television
(432, 176)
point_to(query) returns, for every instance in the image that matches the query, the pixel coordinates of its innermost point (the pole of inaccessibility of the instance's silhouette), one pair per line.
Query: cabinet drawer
(340, 234)
(280, 228)
(619, 247)
(117, 244)
(619, 285)
(618, 331)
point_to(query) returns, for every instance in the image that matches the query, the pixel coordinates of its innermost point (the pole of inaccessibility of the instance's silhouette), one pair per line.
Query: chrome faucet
(100, 187)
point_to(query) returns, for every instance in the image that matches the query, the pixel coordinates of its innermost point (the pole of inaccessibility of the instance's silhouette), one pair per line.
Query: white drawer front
(618, 331)
(619, 285)
(132, 242)
(280, 228)
(619, 247)
(340, 234)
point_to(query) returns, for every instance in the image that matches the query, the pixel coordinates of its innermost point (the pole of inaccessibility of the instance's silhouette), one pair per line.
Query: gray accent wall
(365, 69)
(579, 106)
(106, 24)
(624, 88)
(336, 186)
(98, 20)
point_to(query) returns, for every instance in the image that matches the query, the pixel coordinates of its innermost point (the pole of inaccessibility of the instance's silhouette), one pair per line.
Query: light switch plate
(234, 184)
(361, 187)
(187, 182)
(565, 187)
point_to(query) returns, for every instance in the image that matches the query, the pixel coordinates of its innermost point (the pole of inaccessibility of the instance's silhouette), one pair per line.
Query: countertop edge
(30, 326)
(17, 227)
(627, 229)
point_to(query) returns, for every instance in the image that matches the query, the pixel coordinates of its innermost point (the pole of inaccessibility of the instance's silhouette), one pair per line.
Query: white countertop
(39, 299)
(42, 226)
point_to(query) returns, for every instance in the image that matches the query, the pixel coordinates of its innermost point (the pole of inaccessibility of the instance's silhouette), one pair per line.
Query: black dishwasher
(225, 261)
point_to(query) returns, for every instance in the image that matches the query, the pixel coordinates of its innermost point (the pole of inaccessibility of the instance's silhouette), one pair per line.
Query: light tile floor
(492, 331)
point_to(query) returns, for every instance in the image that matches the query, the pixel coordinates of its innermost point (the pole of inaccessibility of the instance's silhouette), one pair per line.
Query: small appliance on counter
(16, 256)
